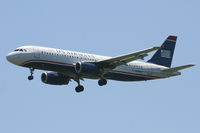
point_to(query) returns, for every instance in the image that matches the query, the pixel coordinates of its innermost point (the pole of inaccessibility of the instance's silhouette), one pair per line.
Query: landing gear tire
(31, 71)
(30, 77)
(102, 82)
(79, 88)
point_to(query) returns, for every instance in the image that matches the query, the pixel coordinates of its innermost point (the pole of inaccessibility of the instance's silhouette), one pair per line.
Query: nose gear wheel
(31, 71)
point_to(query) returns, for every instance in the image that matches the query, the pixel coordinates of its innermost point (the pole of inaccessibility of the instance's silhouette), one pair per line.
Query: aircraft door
(36, 53)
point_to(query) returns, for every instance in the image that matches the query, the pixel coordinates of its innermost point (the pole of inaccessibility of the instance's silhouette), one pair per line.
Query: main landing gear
(79, 88)
(102, 82)
(31, 76)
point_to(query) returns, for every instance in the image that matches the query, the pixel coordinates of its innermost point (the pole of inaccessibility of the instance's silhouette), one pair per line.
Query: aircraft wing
(121, 60)
(174, 69)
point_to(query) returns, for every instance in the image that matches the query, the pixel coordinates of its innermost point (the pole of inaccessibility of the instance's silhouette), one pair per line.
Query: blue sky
(107, 27)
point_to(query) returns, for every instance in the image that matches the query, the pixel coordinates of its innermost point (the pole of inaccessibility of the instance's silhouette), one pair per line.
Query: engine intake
(54, 78)
(86, 68)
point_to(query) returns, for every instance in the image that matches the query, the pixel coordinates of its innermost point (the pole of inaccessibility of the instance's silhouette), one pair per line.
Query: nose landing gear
(31, 76)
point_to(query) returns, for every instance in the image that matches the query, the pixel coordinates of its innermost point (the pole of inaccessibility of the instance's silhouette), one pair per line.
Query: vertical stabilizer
(164, 55)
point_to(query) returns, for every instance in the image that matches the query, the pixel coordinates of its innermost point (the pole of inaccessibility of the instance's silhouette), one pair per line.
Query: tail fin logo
(166, 54)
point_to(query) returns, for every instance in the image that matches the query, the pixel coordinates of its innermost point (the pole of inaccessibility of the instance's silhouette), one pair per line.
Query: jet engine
(87, 68)
(54, 78)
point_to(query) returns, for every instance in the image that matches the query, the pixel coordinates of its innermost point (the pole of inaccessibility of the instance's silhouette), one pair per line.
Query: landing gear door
(36, 53)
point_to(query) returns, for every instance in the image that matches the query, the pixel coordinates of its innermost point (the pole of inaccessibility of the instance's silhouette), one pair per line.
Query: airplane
(64, 66)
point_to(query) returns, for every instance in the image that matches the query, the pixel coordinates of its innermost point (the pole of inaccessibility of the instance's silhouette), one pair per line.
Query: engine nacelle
(86, 68)
(54, 78)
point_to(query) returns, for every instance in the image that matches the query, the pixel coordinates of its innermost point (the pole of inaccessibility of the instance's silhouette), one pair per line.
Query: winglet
(174, 69)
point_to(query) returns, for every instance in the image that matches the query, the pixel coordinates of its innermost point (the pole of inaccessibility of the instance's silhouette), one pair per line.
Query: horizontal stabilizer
(174, 69)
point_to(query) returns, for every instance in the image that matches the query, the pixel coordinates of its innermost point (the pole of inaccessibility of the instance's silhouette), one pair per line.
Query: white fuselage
(60, 60)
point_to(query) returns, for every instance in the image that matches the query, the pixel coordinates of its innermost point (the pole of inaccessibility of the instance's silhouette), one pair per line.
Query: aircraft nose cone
(14, 58)
(10, 57)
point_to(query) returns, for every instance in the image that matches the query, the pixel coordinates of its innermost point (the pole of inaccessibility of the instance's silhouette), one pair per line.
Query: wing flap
(123, 62)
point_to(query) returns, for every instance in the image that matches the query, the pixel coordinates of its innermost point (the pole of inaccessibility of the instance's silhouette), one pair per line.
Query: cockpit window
(16, 50)
(22, 50)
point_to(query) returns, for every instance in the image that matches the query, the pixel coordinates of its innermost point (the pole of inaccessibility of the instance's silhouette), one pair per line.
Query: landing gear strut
(102, 82)
(31, 76)
(79, 88)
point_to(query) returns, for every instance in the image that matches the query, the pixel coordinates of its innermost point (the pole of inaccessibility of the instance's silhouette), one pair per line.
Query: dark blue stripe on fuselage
(70, 69)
